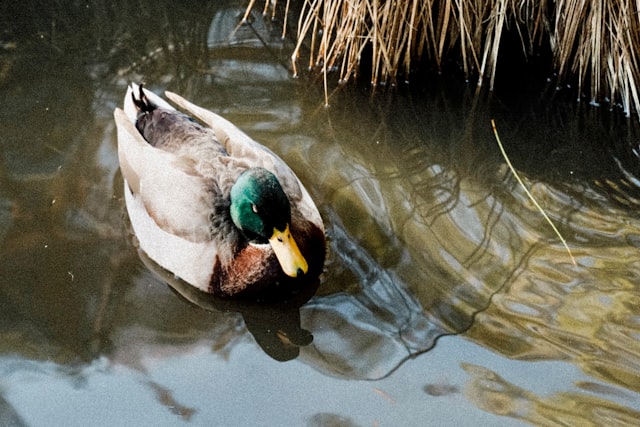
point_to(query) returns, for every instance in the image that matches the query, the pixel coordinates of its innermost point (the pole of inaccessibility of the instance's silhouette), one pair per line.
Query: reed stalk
(529, 195)
(593, 42)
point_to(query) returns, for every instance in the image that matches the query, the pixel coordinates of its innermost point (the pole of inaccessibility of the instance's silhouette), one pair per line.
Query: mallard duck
(210, 205)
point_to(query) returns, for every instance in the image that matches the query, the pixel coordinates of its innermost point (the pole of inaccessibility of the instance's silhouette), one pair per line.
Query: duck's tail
(139, 101)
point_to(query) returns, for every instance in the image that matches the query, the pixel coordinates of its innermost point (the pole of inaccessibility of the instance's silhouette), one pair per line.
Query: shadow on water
(429, 234)
(274, 324)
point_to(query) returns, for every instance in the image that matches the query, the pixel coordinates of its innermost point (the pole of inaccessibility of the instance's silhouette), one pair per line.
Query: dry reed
(529, 195)
(595, 41)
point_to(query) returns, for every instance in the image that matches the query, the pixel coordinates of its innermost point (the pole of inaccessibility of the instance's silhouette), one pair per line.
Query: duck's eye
(254, 208)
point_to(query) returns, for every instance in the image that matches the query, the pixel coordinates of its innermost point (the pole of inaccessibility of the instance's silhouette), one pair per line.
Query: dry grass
(530, 196)
(596, 41)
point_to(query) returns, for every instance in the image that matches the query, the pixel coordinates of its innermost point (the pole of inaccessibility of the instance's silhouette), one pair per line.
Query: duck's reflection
(8, 415)
(273, 323)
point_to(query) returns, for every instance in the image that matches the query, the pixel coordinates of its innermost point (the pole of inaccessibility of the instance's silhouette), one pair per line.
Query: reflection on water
(430, 237)
(275, 325)
(494, 394)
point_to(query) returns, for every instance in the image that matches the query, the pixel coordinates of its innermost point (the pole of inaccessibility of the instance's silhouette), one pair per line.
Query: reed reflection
(494, 394)
(460, 244)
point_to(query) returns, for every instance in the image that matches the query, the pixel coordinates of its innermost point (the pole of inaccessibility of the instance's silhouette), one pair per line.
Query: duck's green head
(261, 211)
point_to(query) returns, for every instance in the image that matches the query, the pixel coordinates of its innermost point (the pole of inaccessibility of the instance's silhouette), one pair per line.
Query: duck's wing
(169, 207)
(241, 146)
(178, 199)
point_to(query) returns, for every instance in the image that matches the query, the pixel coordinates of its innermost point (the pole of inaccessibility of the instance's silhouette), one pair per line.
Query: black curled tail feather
(142, 103)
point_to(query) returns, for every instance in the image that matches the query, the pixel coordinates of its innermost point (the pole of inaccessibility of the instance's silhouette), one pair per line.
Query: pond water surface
(447, 299)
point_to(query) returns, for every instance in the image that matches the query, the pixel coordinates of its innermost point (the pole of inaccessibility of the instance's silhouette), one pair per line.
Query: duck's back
(175, 132)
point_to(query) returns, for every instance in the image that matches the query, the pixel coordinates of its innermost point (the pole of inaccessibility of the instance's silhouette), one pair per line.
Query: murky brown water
(447, 299)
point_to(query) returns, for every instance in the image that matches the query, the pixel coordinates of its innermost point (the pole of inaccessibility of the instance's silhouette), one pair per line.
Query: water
(447, 299)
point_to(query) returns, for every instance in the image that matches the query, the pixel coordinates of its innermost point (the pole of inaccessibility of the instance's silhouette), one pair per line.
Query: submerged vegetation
(594, 43)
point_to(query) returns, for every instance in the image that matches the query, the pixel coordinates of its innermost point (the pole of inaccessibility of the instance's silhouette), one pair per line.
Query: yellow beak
(288, 254)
